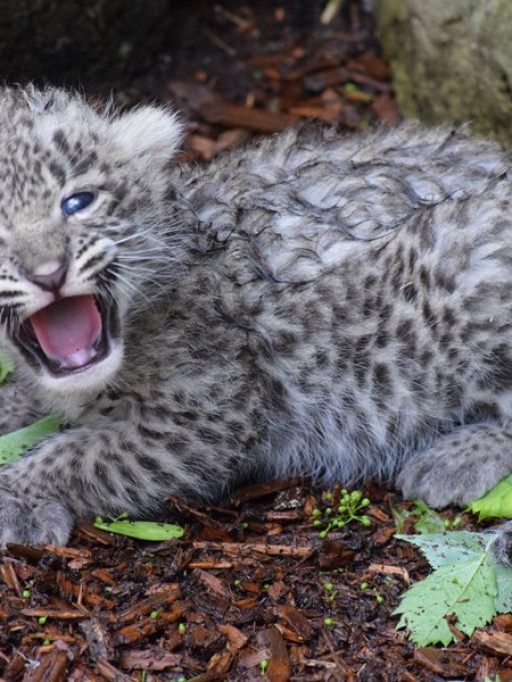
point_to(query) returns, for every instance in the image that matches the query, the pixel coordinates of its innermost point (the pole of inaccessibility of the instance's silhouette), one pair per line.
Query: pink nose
(49, 276)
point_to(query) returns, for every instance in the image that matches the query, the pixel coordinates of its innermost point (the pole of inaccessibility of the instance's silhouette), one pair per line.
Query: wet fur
(337, 308)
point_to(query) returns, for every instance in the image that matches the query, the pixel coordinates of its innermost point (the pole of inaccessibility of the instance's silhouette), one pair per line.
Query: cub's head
(83, 226)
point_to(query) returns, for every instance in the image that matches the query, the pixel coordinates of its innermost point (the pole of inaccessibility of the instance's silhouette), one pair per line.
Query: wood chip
(10, 577)
(51, 668)
(237, 548)
(278, 669)
(503, 622)
(83, 554)
(216, 585)
(234, 636)
(57, 614)
(145, 627)
(96, 638)
(142, 608)
(220, 663)
(296, 620)
(254, 492)
(440, 661)
(495, 642)
(390, 570)
(111, 673)
(147, 659)
(235, 116)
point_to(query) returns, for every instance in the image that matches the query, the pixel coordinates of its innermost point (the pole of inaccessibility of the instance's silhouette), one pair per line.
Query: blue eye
(76, 202)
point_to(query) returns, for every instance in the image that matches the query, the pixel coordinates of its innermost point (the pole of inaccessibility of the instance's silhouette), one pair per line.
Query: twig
(330, 11)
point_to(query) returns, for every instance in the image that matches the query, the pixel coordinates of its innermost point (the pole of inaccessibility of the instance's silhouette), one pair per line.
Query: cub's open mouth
(67, 336)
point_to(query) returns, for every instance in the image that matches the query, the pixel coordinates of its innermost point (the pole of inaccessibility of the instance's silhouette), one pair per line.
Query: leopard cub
(337, 308)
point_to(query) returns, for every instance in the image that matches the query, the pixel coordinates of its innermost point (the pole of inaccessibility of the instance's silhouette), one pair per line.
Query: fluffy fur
(313, 305)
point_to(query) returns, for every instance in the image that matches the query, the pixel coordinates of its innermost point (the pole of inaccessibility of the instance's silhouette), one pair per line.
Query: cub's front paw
(458, 467)
(33, 521)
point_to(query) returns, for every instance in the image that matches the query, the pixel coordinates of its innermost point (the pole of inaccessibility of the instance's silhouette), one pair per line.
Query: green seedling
(349, 508)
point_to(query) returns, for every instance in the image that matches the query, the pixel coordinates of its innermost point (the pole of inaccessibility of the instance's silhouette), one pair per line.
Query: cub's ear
(147, 133)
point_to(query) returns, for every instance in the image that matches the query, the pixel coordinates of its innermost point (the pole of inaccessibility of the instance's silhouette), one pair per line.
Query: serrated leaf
(6, 366)
(465, 591)
(14, 444)
(441, 549)
(496, 503)
(504, 586)
(142, 530)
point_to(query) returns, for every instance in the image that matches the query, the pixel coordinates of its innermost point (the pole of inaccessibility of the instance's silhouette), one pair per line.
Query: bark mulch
(251, 592)
(251, 584)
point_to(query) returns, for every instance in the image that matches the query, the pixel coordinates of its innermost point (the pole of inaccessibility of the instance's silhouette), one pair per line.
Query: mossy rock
(451, 61)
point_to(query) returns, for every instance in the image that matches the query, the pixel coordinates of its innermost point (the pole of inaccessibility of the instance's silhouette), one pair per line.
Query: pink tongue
(67, 330)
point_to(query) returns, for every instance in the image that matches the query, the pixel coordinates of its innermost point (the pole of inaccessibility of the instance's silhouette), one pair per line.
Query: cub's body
(327, 307)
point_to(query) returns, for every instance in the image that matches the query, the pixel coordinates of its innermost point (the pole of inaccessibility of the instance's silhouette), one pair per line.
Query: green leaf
(6, 366)
(441, 549)
(14, 444)
(465, 590)
(497, 502)
(504, 585)
(142, 530)
(428, 520)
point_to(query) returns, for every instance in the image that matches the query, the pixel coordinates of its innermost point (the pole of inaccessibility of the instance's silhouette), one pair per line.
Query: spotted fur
(338, 308)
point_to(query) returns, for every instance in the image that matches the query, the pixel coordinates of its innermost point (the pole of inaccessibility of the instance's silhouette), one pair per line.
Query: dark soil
(252, 592)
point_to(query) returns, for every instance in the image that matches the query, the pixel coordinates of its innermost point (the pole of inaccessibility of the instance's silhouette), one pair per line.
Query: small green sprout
(42, 620)
(348, 508)
(329, 622)
(155, 613)
(263, 667)
(363, 586)
(26, 594)
(451, 525)
(182, 628)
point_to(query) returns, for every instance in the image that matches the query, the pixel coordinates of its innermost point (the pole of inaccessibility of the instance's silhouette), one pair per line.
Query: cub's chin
(73, 344)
